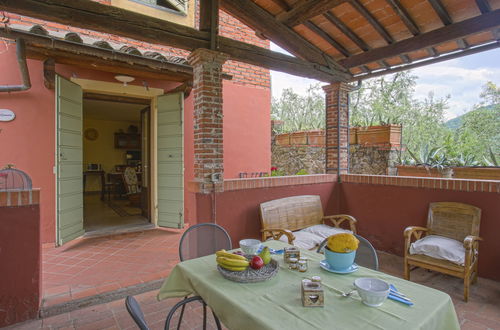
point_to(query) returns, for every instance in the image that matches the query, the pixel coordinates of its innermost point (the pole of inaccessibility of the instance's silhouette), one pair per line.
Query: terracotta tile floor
(95, 265)
(90, 266)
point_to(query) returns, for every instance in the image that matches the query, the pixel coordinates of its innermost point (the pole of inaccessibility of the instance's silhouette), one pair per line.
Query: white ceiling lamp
(124, 79)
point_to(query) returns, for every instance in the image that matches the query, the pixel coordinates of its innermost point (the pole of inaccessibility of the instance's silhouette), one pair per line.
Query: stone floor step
(100, 298)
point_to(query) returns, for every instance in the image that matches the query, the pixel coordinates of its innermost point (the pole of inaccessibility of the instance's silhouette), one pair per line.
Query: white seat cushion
(440, 247)
(304, 240)
(324, 231)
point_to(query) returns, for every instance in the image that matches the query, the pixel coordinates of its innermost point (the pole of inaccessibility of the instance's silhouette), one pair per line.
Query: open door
(145, 161)
(69, 157)
(170, 145)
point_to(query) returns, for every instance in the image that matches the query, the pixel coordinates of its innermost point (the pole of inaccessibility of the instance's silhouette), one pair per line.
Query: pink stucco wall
(29, 140)
(247, 130)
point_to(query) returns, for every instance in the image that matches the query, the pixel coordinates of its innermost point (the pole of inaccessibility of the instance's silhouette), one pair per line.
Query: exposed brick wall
(243, 74)
(208, 118)
(337, 109)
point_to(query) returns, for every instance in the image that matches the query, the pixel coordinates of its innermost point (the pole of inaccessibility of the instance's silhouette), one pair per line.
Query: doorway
(160, 132)
(116, 148)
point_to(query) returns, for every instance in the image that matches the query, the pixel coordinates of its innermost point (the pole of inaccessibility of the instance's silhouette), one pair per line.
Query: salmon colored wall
(383, 212)
(29, 140)
(247, 130)
(238, 211)
(20, 260)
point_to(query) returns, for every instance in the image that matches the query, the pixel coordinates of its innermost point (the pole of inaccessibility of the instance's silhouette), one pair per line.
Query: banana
(224, 253)
(223, 261)
(234, 269)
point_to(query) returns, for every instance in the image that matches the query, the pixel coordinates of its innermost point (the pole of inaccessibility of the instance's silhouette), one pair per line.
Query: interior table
(276, 303)
(101, 175)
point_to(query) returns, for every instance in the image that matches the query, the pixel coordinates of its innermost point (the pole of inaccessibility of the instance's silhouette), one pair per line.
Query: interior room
(115, 145)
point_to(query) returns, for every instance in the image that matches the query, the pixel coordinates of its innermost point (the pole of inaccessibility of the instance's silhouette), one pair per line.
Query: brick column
(337, 122)
(208, 116)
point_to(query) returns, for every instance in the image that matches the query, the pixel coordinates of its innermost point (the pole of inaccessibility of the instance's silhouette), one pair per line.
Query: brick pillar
(337, 111)
(208, 140)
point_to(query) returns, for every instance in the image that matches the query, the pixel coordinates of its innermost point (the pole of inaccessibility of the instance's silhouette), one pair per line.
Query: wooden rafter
(404, 16)
(256, 17)
(282, 4)
(432, 52)
(345, 30)
(441, 11)
(372, 20)
(443, 58)
(483, 6)
(457, 30)
(209, 20)
(98, 17)
(462, 43)
(304, 10)
(313, 27)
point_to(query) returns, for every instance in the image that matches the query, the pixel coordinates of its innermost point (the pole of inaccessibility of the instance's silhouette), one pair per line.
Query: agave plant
(433, 158)
(465, 159)
(493, 159)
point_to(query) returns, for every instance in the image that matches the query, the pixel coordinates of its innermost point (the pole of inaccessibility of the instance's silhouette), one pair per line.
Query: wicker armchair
(453, 220)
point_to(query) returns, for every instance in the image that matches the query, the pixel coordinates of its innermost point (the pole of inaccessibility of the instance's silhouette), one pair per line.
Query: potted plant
(427, 163)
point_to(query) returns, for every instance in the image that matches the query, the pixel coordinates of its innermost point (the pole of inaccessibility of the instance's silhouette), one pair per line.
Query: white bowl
(250, 246)
(372, 291)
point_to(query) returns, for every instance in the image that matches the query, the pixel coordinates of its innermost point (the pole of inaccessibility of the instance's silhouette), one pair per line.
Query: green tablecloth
(276, 304)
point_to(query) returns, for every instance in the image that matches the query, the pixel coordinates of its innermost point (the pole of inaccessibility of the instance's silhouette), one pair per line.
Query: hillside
(457, 121)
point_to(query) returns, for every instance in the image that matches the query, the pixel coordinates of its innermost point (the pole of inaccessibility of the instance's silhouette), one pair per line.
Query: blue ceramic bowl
(339, 261)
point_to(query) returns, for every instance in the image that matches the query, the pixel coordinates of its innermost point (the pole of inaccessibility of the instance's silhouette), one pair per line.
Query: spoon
(347, 294)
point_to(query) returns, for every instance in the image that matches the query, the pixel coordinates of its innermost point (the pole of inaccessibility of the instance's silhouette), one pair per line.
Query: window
(179, 6)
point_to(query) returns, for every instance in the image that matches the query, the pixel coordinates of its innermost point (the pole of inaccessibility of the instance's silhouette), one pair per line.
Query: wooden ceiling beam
(345, 30)
(455, 31)
(98, 17)
(404, 16)
(304, 10)
(372, 20)
(313, 27)
(441, 11)
(209, 20)
(483, 6)
(257, 18)
(282, 4)
(442, 58)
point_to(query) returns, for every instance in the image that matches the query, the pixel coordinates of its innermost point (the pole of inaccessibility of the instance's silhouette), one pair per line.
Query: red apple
(257, 262)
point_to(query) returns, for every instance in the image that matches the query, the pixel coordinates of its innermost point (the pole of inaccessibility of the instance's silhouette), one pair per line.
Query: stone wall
(291, 159)
(373, 160)
(292, 152)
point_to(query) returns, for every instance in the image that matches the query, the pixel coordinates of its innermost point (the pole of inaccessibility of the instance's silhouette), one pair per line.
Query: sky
(460, 78)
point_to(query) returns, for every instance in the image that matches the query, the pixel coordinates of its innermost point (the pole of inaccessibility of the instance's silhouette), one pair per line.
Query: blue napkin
(396, 298)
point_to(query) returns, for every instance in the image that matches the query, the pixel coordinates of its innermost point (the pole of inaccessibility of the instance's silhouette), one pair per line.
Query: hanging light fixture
(124, 79)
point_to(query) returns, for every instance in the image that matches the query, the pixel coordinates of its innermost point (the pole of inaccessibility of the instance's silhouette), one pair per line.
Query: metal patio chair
(198, 241)
(366, 255)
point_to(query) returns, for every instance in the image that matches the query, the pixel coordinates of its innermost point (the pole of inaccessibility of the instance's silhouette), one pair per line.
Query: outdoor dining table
(276, 303)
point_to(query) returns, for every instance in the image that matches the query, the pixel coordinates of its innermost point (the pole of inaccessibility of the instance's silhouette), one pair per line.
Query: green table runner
(276, 304)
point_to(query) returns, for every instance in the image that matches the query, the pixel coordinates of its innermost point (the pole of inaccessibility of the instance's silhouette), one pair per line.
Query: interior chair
(446, 220)
(132, 187)
(366, 255)
(198, 241)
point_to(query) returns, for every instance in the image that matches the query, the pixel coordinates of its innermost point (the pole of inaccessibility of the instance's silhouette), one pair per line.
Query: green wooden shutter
(170, 157)
(69, 175)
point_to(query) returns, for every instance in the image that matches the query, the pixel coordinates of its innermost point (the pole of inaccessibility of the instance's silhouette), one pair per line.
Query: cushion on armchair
(324, 231)
(440, 247)
(304, 240)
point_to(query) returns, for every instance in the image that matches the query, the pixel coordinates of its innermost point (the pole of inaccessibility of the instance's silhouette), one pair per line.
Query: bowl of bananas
(246, 268)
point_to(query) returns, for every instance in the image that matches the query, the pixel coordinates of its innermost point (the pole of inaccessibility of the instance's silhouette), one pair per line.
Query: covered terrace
(335, 41)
